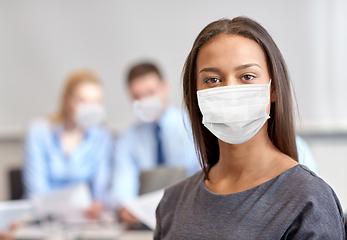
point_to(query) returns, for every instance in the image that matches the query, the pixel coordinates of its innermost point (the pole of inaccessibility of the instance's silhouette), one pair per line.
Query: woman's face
(85, 93)
(231, 60)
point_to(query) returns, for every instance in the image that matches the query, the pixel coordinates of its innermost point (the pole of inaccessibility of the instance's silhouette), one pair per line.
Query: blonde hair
(73, 81)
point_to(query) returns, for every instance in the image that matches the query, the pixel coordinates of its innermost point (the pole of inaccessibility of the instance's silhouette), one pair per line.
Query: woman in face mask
(238, 94)
(71, 146)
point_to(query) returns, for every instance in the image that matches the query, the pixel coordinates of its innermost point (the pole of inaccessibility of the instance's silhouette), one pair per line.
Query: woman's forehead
(228, 49)
(88, 88)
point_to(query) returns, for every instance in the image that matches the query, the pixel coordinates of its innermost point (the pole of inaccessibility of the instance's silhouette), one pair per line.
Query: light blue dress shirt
(305, 155)
(136, 151)
(47, 167)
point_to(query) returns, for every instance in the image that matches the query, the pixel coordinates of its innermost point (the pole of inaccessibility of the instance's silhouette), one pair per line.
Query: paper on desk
(75, 198)
(143, 208)
(12, 211)
(31, 233)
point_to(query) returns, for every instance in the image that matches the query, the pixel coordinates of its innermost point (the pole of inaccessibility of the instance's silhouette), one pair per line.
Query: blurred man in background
(162, 138)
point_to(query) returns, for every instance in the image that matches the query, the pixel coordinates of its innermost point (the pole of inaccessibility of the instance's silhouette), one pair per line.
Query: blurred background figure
(305, 155)
(5, 236)
(71, 146)
(161, 139)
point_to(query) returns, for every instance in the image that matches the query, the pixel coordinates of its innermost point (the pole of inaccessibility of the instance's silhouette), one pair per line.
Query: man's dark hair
(141, 70)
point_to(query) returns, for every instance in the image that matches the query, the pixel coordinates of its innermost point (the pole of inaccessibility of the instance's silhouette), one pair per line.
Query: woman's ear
(166, 87)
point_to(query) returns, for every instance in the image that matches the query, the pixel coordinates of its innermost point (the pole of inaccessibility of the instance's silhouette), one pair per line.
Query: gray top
(297, 204)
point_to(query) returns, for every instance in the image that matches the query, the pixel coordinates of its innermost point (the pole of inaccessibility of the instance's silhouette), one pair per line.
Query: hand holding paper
(143, 208)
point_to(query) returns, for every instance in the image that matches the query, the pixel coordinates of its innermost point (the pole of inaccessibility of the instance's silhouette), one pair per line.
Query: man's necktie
(160, 153)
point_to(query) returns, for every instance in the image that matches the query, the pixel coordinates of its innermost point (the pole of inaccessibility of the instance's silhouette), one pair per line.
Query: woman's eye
(212, 80)
(247, 77)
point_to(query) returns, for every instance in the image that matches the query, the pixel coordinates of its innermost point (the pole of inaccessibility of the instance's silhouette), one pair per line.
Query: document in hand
(75, 198)
(143, 208)
(12, 211)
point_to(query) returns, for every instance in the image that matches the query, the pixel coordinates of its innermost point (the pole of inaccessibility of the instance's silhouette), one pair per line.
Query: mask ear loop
(270, 96)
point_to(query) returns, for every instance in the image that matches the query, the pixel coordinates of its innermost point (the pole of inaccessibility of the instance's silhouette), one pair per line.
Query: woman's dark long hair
(280, 124)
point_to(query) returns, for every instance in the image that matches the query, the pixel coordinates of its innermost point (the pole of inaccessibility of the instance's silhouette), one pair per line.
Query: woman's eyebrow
(209, 70)
(247, 66)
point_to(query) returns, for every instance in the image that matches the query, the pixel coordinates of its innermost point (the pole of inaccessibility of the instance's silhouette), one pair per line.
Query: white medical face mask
(89, 115)
(234, 114)
(148, 109)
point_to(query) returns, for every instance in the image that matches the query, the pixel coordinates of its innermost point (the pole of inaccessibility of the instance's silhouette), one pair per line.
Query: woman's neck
(246, 165)
(238, 158)
(71, 137)
(70, 126)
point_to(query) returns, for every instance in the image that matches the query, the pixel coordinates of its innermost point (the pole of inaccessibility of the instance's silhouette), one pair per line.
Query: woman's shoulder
(306, 186)
(185, 188)
(40, 125)
(39, 131)
(309, 196)
(188, 182)
(305, 179)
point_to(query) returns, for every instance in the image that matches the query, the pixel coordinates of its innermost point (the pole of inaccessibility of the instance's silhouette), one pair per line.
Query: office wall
(10, 158)
(41, 41)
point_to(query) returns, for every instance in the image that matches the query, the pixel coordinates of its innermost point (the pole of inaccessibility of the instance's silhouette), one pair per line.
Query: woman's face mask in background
(89, 115)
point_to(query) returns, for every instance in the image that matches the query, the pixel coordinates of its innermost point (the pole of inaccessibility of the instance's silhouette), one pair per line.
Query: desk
(137, 235)
(72, 225)
(58, 232)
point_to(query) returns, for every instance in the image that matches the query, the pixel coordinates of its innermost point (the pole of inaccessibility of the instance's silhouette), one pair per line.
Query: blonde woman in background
(71, 146)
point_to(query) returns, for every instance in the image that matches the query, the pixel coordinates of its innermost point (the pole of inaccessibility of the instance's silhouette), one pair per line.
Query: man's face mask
(148, 109)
